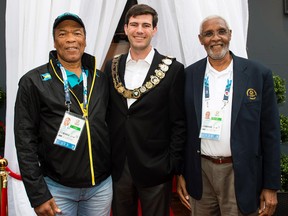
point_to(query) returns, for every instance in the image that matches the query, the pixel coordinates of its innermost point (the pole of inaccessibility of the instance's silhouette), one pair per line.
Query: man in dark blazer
(146, 119)
(234, 170)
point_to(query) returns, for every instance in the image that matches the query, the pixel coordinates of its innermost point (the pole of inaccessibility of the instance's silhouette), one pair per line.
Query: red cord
(13, 175)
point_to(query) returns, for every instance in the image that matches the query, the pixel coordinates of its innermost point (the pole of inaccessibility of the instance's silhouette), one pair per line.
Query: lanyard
(85, 111)
(66, 88)
(226, 92)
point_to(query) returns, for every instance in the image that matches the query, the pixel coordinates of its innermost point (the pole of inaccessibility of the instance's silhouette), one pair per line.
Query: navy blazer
(255, 133)
(151, 133)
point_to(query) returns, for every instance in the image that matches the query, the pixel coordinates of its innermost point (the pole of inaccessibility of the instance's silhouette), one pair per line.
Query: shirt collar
(148, 58)
(210, 69)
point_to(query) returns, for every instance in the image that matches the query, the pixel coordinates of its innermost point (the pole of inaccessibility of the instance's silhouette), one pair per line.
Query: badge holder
(70, 131)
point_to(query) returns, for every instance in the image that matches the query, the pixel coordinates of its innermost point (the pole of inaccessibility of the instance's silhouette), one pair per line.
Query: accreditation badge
(70, 130)
(211, 125)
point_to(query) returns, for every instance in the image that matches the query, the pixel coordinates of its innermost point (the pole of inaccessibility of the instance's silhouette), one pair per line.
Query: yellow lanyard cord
(90, 151)
(85, 114)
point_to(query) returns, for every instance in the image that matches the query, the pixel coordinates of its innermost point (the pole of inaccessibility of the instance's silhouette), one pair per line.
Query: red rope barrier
(13, 174)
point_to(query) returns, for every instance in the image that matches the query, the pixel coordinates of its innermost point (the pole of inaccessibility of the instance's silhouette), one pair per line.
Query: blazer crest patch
(251, 94)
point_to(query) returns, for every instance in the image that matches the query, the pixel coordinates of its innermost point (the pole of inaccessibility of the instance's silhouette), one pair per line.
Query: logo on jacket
(251, 93)
(46, 76)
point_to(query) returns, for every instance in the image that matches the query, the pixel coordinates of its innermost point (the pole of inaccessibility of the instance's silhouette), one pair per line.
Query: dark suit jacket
(151, 133)
(255, 136)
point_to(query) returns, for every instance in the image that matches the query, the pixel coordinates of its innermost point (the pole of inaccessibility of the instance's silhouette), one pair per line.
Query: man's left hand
(268, 202)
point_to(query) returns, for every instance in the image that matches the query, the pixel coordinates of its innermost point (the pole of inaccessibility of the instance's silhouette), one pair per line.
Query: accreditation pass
(211, 125)
(70, 130)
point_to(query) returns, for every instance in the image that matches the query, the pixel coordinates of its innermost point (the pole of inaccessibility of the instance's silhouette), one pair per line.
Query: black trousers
(154, 201)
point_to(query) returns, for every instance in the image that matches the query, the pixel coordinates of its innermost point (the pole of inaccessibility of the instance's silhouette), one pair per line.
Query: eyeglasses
(220, 32)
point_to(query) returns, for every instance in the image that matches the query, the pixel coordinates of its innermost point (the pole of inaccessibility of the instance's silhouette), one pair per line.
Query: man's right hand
(182, 192)
(49, 208)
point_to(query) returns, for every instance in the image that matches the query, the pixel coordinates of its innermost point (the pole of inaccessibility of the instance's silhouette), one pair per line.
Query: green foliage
(280, 88)
(284, 128)
(284, 173)
(280, 91)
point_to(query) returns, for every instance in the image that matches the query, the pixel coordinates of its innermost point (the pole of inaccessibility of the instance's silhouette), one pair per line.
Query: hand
(49, 208)
(182, 192)
(268, 202)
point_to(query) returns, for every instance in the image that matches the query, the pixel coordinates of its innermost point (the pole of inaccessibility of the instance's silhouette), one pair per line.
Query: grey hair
(212, 17)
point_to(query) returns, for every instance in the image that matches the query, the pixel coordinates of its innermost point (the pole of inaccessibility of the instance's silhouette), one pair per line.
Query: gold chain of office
(136, 93)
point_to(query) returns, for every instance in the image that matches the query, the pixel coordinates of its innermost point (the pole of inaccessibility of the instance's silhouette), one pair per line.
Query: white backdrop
(179, 22)
(29, 40)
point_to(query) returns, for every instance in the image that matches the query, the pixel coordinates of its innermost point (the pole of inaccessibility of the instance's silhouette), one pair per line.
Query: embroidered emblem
(46, 76)
(138, 92)
(251, 93)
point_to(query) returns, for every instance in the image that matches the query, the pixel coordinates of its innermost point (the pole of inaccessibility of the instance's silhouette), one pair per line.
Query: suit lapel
(121, 71)
(154, 64)
(198, 89)
(240, 78)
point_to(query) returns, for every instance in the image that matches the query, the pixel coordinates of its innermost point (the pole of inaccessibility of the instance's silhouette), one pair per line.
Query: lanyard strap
(85, 111)
(226, 92)
(66, 88)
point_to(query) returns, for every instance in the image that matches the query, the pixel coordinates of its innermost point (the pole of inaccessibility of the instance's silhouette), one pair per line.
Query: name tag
(70, 131)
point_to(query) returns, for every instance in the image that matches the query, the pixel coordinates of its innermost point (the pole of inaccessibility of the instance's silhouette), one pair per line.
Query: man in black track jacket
(60, 130)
